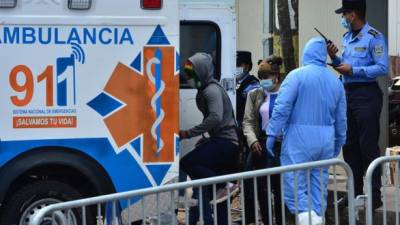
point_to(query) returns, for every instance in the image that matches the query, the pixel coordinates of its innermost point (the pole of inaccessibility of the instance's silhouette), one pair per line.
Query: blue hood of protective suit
(315, 52)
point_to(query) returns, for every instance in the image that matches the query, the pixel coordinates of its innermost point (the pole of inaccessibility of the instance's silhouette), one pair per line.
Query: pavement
(389, 199)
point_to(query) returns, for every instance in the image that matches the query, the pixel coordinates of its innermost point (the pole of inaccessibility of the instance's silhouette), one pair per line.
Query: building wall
(319, 14)
(250, 28)
(394, 37)
(377, 16)
(394, 24)
(312, 13)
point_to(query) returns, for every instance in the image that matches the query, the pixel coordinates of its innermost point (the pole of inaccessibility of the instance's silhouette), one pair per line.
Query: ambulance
(92, 98)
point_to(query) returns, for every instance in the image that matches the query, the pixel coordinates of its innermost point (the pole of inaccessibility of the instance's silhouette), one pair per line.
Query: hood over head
(315, 52)
(204, 67)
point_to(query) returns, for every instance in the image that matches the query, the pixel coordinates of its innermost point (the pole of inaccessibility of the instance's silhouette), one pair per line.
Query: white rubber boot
(304, 218)
(315, 219)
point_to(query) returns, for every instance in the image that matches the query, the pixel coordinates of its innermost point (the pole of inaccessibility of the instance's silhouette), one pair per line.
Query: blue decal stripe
(158, 37)
(177, 146)
(137, 63)
(137, 145)
(62, 93)
(158, 172)
(177, 62)
(104, 104)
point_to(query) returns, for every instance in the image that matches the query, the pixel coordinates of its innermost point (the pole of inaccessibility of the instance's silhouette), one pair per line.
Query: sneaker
(222, 193)
(182, 202)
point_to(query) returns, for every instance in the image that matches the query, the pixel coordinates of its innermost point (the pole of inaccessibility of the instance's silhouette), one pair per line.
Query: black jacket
(241, 96)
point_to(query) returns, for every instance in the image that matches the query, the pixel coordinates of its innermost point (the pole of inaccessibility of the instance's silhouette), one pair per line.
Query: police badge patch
(378, 50)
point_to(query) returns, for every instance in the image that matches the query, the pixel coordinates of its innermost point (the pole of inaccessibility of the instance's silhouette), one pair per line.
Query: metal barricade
(376, 164)
(95, 206)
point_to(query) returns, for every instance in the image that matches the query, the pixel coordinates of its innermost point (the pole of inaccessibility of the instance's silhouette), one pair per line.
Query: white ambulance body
(91, 94)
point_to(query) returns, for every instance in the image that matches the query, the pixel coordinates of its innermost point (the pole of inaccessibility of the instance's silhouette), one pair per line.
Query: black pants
(364, 105)
(256, 162)
(212, 158)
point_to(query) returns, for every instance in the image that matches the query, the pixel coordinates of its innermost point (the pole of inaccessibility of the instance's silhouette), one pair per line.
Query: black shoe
(376, 203)
(376, 200)
(343, 202)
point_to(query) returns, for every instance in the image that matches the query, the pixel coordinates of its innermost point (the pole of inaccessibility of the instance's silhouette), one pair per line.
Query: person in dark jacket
(245, 82)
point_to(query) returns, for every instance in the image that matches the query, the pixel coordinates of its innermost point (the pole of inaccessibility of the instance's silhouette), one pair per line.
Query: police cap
(350, 5)
(243, 57)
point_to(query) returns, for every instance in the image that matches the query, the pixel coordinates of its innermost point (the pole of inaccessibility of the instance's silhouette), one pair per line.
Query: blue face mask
(345, 23)
(267, 85)
(240, 73)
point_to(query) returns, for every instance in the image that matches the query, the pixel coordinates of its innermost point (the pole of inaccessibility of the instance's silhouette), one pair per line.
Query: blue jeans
(214, 157)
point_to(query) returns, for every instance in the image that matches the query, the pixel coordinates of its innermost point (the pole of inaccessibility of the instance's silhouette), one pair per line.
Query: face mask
(240, 73)
(346, 24)
(192, 78)
(267, 85)
(193, 83)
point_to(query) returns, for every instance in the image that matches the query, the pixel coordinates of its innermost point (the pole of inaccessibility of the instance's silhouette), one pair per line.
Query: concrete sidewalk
(388, 198)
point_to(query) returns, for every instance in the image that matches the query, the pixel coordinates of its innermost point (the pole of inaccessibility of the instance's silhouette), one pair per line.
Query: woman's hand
(256, 148)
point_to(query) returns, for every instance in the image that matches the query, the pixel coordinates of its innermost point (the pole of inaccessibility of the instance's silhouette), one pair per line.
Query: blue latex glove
(270, 145)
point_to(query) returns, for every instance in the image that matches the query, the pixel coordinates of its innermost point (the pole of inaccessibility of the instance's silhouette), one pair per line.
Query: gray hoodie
(213, 102)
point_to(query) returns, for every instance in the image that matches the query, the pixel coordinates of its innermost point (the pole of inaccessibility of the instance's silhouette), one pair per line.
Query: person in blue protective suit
(310, 112)
(364, 58)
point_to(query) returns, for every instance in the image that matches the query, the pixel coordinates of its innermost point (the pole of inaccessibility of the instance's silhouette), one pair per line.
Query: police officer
(364, 57)
(245, 82)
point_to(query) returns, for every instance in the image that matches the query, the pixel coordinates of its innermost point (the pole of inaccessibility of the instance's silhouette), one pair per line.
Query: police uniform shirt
(366, 53)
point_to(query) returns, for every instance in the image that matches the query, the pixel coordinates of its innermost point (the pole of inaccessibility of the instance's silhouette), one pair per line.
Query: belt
(356, 85)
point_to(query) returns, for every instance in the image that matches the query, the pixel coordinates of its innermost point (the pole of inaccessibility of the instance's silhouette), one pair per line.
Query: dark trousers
(256, 162)
(364, 105)
(182, 178)
(212, 158)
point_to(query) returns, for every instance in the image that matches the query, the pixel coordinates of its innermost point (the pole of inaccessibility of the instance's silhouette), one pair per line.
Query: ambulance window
(199, 36)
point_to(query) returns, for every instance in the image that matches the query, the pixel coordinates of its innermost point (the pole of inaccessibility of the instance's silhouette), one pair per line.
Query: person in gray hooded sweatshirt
(217, 154)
